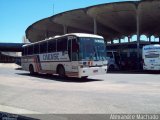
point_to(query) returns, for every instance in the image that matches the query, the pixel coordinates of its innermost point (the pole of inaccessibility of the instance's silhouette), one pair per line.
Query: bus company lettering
(50, 56)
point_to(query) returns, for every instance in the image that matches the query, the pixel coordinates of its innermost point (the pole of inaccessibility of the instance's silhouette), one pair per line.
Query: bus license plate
(95, 71)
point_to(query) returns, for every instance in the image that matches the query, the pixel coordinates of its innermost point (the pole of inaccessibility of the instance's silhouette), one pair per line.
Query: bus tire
(61, 71)
(31, 69)
(84, 77)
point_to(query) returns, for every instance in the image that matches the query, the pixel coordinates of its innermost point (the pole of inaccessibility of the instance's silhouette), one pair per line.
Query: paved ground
(110, 93)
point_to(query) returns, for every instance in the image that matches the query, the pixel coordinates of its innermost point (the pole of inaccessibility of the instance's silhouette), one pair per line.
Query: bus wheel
(84, 77)
(61, 71)
(31, 70)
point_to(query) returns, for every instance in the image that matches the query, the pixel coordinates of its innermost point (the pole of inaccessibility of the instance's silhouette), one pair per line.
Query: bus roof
(74, 34)
(153, 45)
(84, 35)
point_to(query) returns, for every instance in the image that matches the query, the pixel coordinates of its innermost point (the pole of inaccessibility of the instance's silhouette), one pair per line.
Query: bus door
(73, 50)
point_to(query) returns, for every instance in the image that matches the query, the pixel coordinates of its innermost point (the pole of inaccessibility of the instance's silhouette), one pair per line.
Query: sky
(17, 15)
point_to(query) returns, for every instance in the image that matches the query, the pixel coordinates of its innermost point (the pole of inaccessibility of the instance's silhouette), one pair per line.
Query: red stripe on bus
(34, 60)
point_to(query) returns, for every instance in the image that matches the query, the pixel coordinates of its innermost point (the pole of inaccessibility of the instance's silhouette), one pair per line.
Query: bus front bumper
(151, 67)
(90, 71)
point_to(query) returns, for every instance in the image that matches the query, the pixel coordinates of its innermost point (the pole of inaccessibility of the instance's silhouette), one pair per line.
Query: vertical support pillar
(119, 40)
(138, 37)
(150, 39)
(64, 29)
(111, 41)
(129, 39)
(95, 25)
(106, 42)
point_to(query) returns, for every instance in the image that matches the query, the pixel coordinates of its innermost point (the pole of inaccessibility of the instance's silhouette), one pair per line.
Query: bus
(73, 55)
(113, 58)
(151, 57)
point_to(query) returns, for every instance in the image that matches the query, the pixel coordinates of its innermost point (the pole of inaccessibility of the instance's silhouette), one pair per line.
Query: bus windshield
(92, 49)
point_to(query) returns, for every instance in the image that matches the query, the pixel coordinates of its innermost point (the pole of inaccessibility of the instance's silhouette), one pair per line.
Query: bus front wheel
(61, 71)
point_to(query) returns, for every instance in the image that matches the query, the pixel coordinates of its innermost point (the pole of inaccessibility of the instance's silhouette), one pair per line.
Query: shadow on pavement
(19, 68)
(11, 116)
(61, 79)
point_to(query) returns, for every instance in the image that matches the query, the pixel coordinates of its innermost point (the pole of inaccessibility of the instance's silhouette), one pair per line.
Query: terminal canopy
(110, 20)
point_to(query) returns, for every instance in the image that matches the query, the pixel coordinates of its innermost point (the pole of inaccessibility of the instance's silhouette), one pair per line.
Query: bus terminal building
(126, 26)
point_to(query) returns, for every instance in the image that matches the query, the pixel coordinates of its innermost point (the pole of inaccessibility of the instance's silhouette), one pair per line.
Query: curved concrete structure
(111, 20)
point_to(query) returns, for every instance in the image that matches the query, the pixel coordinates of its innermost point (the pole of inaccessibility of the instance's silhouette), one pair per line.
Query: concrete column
(119, 40)
(129, 39)
(64, 29)
(149, 39)
(95, 26)
(138, 37)
(112, 41)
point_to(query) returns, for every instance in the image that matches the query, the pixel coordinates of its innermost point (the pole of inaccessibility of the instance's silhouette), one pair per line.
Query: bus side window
(62, 44)
(30, 50)
(43, 47)
(52, 46)
(36, 49)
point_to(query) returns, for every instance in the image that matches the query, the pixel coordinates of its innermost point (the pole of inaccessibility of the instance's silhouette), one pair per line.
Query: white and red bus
(73, 55)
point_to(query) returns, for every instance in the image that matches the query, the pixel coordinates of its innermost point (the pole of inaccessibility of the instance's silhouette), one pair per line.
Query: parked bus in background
(73, 55)
(151, 57)
(113, 58)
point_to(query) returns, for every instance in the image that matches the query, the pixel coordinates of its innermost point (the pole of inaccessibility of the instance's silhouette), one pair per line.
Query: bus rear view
(151, 57)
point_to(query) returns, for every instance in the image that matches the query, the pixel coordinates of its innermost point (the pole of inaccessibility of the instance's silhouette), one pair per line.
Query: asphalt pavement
(117, 92)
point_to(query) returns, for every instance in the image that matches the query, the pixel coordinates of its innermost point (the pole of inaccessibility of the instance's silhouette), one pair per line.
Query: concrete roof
(8, 47)
(114, 20)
